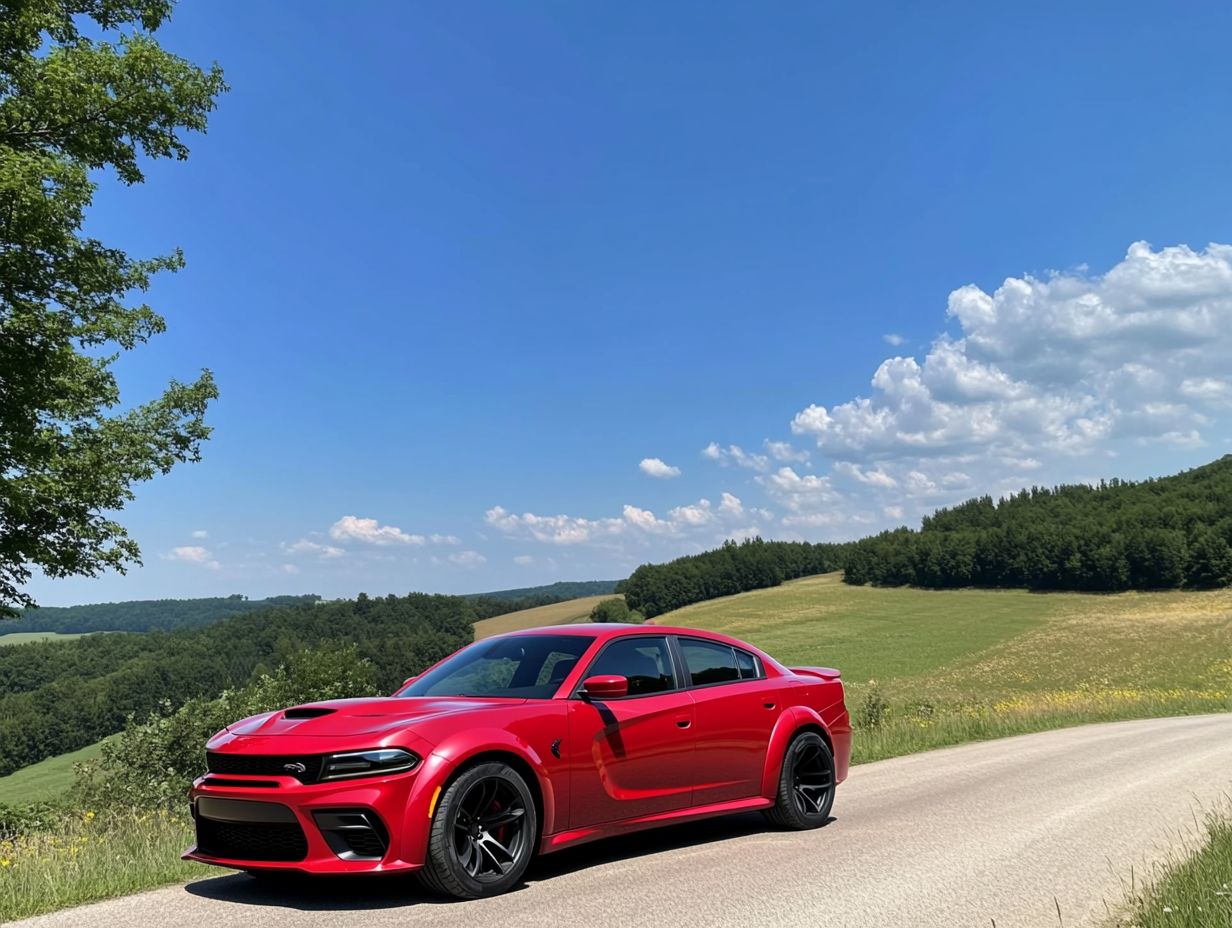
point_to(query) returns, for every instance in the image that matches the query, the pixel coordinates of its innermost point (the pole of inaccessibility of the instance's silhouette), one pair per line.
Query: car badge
(295, 768)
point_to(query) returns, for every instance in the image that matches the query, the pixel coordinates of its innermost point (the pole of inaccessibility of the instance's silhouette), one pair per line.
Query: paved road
(955, 837)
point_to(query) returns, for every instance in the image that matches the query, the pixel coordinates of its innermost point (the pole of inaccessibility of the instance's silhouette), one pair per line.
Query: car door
(735, 709)
(631, 757)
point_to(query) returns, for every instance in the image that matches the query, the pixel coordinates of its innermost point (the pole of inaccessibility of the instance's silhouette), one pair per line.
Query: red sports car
(527, 742)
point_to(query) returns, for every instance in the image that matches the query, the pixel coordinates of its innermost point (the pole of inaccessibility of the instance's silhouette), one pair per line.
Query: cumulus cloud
(657, 469)
(734, 454)
(635, 524)
(369, 531)
(524, 560)
(193, 554)
(1062, 364)
(893, 338)
(304, 546)
(200, 534)
(468, 559)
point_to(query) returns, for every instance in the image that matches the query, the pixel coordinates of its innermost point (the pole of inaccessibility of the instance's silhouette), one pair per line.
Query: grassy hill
(48, 779)
(27, 637)
(931, 667)
(566, 613)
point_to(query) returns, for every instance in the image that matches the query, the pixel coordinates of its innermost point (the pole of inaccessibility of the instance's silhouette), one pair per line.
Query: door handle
(768, 705)
(683, 723)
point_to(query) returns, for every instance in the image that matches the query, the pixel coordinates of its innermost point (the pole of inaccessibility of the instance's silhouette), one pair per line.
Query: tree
(610, 610)
(84, 88)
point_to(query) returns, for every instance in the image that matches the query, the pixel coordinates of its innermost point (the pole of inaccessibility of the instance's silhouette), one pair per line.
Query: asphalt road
(1006, 831)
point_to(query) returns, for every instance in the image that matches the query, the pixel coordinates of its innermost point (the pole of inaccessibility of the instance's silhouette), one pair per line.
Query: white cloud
(524, 560)
(200, 534)
(734, 454)
(468, 559)
(193, 554)
(634, 524)
(353, 528)
(1063, 364)
(892, 512)
(304, 546)
(657, 469)
(893, 338)
(783, 451)
(869, 477)
(799, 493)
(288, 568)
(445, 539)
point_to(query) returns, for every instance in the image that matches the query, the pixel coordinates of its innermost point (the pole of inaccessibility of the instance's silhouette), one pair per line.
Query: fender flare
(457, 750)
(789, 722)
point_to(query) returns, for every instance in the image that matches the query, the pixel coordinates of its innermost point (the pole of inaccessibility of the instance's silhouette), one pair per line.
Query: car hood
(345, 717)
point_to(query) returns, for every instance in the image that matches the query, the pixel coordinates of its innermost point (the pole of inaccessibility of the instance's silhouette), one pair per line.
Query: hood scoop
(307, 712)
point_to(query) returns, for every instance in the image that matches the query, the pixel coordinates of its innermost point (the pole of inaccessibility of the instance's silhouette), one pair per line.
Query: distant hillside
(142, 615)
(563, 613)
(554, 592)
(1166, 533)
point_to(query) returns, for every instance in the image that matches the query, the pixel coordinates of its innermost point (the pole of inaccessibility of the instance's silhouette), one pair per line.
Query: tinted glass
(747, 664)
(708, 662)
(518, 667)
(645, 662)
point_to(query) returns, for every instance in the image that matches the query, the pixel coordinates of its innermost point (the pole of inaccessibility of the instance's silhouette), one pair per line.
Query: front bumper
(368, 825)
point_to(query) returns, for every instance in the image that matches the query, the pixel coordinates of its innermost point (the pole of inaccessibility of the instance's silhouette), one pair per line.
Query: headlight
(368, 763)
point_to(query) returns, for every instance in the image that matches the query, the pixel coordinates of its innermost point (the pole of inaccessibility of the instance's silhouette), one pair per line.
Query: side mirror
(605, 687)
(405, 683)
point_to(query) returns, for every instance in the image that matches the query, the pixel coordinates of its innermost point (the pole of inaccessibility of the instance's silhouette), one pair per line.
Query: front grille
(365, 844)
(270, 841)
(265, 765)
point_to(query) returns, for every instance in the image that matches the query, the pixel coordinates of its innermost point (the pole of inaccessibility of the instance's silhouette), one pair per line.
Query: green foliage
(65, 695)
(734, 568)
(84, 87)
(142, 615)
(614, 610)
(1158, 534)
(153, 762)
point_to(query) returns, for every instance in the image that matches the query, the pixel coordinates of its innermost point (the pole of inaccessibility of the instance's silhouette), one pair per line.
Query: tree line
(142, 615)
(1166, 533)
(654, 589)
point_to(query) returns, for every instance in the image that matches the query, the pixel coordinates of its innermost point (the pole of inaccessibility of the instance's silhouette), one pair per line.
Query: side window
(645, 662)
(709, 662)
(747, 664)
(556, 667)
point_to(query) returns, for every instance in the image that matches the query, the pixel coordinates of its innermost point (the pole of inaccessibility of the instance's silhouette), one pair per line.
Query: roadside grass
(566, 613)
(1190, 892)
(47, 780)
(88, 857)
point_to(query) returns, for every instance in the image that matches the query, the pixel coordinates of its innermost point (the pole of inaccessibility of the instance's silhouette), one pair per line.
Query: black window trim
(679, 673)
(758, 666)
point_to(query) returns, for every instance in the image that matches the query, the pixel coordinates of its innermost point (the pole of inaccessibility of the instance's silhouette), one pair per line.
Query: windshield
(517, 667)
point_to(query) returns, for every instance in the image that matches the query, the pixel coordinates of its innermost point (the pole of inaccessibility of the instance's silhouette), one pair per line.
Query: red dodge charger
(527, 742)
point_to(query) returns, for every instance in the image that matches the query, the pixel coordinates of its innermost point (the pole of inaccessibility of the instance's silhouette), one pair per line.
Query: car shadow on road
(359, 893)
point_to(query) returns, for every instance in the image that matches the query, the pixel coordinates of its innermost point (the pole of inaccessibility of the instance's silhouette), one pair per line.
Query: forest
(654, 589)
(141, 615)
(1166, 533)
(60, 696)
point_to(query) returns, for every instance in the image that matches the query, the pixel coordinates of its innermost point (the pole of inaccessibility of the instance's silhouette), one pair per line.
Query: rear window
(709, 662)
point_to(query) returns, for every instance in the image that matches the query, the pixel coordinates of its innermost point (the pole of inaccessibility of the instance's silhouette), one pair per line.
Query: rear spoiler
(826, 673)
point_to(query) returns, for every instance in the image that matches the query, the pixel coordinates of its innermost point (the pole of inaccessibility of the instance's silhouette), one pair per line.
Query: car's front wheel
(483, 834)
(806, 784)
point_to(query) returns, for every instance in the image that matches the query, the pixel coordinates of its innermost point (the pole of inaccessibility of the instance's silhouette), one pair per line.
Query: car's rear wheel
(483, 834)
(806, 784)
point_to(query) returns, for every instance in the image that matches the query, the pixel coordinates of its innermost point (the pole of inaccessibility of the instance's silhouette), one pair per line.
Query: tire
(483, 834)
(806, 784)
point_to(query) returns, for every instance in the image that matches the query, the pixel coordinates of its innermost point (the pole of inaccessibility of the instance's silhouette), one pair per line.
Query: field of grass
(48, 779)
(566, 613)
(25, 637)
(931, 668)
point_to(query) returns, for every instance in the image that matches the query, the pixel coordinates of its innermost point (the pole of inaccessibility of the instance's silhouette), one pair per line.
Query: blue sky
(460, 269)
